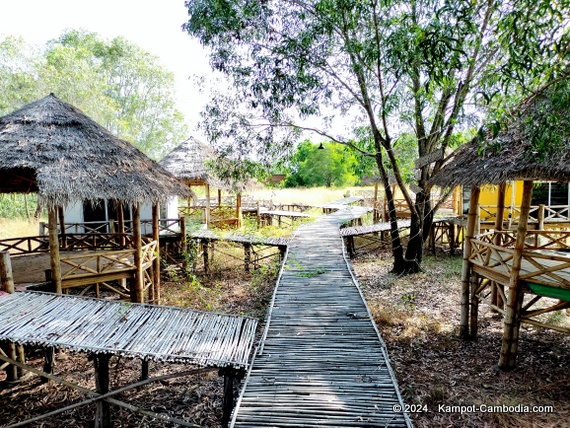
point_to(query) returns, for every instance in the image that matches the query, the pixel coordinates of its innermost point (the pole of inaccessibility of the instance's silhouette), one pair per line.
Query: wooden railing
(93, 264)
(166, 226)
(25, 245)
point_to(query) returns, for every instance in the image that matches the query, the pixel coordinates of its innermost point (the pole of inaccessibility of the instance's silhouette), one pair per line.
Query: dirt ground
(418, 317)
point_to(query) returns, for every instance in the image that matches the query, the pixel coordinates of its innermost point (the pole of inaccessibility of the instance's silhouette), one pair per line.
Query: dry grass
(15, 228)
(418, 317)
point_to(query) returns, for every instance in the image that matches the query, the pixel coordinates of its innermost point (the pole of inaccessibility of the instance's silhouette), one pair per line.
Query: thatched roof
(52, 148)
(533, 145)
(190, 163)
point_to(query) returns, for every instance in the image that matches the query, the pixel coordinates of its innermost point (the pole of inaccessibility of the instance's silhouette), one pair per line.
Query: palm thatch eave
(69, 157)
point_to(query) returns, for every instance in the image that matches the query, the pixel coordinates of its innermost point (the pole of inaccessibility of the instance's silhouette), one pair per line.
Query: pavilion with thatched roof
(189, 162)
(524, 274)
(52, 148)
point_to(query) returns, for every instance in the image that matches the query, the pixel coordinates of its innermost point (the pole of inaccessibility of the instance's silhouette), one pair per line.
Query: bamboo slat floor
(321, 362)
(372, 228)
(239, 238)
(149, 332)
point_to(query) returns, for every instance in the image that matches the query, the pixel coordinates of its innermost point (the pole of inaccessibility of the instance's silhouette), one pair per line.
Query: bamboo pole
(156, 261)
(55, 263)
(184, 244)
(207, 219)
(499, 219)
(238, 209)
(466, 269)
(511, 325)
(103, 415)
(541, 217)
(61, 219)
(219, 197)
(138, 295)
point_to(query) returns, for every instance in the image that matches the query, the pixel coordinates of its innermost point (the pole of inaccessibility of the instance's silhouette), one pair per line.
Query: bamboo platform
(148, 332)
(238, 238)
(321, 361)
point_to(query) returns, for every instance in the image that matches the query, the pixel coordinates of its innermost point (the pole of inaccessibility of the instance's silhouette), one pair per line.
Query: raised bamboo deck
(321, 361)
(148, 332)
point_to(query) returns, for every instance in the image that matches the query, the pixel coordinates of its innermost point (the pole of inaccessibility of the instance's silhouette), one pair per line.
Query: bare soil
(417, 315)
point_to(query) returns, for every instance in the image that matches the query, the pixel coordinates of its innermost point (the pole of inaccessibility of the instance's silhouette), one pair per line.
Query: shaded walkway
(321, 361)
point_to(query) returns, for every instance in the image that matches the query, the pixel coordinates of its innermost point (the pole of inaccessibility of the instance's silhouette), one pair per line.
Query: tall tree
(397, 66)
(115, 82)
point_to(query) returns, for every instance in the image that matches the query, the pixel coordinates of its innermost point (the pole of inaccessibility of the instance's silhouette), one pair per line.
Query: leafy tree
(115, 82)
(311, 166)
(416, 67)
(17, 74)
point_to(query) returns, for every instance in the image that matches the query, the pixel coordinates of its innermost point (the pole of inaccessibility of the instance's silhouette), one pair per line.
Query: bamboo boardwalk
(321, 361)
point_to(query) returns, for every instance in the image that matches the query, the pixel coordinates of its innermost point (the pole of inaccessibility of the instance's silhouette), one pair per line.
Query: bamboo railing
(544, 259)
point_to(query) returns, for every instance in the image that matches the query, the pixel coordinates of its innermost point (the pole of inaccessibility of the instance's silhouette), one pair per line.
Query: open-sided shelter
(52, 148)
(503, 265)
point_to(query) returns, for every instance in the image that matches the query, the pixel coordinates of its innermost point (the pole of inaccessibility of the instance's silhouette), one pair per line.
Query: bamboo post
(229, 400)
(138, 295)
(499, 220)
(238, 209)
(511, 325)
(55, 263)
(541, 217)
(207, 213)
(103, 415)
(474, 307)
(466, 268)
(219, 197)
(258, 218)
(156, 261)
(49, 357)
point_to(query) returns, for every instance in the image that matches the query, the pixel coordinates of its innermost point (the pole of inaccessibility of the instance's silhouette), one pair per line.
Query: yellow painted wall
(488, 197)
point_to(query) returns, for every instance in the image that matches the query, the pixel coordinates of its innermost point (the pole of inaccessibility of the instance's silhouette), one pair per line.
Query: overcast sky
(154, 25)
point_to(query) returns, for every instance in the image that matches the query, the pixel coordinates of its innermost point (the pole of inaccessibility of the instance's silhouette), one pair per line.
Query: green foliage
(114, 82)
(314, 167)
(14, 205)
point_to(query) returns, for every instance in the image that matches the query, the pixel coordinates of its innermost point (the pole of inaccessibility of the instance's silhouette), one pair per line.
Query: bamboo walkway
(321, 361)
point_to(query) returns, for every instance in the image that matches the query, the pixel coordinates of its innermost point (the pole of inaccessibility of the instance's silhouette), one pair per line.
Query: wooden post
(219, 197)
(511, 326)
(156, 261)
(138, 295)
(238, 209)
(6, 276)
(541, 217)
(103, 415)
(207, 213)
(466, 269)
(258, 217)
(49, 357)
(7, 285)
(55, 263)
(499, 219)
(229, 401)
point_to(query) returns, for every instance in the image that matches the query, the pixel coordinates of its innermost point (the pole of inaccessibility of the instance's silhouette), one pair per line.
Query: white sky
(154, 25)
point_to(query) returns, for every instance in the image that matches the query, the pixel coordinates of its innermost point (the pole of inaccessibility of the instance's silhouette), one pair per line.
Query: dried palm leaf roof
(533, 145)
(53, 148)
(190, 162)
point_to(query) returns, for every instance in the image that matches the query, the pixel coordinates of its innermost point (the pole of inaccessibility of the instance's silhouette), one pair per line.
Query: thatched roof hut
(534, 145)
(52, 148)
(189, 162)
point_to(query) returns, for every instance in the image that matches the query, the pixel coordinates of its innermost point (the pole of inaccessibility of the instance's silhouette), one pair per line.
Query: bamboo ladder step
(321, 362)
